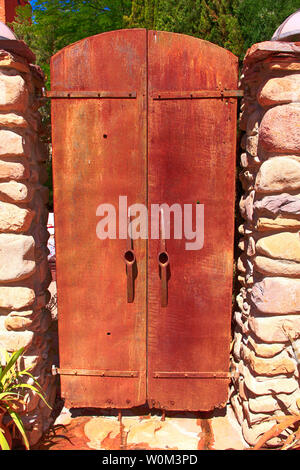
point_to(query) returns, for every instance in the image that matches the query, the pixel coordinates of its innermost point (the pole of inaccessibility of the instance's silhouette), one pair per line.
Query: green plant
(12, 389)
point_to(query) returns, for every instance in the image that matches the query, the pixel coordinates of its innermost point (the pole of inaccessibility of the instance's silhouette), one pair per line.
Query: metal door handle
(130, 260)
(163, 262)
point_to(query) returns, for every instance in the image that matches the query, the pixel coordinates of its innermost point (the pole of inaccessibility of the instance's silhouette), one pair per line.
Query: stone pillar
(266, 349)
(24, 271)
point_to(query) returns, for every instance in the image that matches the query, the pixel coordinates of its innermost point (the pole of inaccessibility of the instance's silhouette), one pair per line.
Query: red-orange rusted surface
(170, 150)
(99, 153)
(191, 158)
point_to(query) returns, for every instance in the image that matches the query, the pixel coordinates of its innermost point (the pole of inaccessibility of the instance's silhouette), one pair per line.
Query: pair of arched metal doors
(148, 118)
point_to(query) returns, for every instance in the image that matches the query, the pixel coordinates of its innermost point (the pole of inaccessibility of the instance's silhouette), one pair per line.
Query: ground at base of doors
(80, 430)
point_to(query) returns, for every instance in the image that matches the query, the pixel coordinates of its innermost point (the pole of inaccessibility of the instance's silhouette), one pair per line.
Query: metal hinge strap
(89, 94)
(199, 94)
(98, 373)
(191, 375)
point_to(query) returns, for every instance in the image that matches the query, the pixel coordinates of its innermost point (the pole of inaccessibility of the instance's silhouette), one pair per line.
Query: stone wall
(266, 347)
(24, 271)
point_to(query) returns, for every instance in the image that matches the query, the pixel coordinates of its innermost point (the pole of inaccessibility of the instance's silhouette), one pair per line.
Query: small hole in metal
(108, 334)
(104, 136)
(163, 258)
(129, 256)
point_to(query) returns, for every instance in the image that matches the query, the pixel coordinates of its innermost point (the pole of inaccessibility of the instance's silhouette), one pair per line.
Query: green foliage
(259, 19)
(12, 388)
(213, 20)
(58, 23)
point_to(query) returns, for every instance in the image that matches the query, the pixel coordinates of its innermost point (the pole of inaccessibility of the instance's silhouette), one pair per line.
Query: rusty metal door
(191, 160)
(99, 154)
(151, 116)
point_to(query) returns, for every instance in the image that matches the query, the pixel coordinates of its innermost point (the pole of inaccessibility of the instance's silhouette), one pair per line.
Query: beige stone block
(248, 161)
(275, 267)
(243, 391)
(283, 245)
(279, 90)
(12, 61)
(16, 170)
(242, 264)
(252, 145)
(269, 385)
(271, 329)
(277, 295)
(242, 322)
(12, 120)
(254, 419)
(265, 224)
(269, 404)
(271, 51)
(12, 340)
(14, 191)
(247, 178)
(279, 130)
(281, 364)
(284, 64)
(264, 349)
(278, 174)
(14, 219)
(13, 91)
(253, 122)
(238, 336)
(249, 205)
(250, 249)
(242, 244)
(17, 323)
(16, 297)
(17, 260)
(11, 144)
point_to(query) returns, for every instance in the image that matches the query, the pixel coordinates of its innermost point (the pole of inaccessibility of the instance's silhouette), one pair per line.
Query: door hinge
(97, 373)
(89, 94)
(191, 375)
(199, 94)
